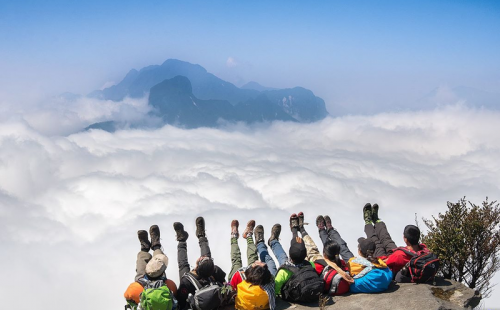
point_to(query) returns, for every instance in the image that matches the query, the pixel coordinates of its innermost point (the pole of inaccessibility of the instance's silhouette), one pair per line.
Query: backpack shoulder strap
(193, 280)
(242, 275)
(405, 250)
(289, 267)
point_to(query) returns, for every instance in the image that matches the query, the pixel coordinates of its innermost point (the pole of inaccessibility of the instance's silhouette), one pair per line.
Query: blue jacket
(377, 280)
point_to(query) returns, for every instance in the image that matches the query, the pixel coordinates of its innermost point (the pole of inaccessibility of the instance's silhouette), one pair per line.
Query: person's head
(366, 248)
(297, 251)
(157, 266)
(205, 267)
(331, 250)
(258, 274)
(411, 235)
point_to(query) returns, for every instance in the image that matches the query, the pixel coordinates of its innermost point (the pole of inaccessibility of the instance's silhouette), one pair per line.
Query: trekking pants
(266, 258)
(381, 237)
(334, 236)
(142, 260)
(182, 257)
(236, 255)
(313, 253)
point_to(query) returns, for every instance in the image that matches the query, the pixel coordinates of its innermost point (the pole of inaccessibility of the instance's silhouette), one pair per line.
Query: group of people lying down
(301, 275)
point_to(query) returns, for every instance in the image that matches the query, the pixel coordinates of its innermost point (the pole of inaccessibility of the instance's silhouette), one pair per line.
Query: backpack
(206, 297)
(422, 267)
(304, 285)
(156, 298)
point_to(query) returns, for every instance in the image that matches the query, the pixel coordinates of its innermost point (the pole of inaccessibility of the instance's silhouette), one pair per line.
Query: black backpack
(422, 267)
(206, 297)
(304, 285)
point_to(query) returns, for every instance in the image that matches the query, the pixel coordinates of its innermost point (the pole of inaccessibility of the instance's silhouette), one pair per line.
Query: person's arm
(281, 277)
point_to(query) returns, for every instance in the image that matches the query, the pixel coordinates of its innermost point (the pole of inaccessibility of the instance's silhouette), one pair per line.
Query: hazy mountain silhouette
(186, 95)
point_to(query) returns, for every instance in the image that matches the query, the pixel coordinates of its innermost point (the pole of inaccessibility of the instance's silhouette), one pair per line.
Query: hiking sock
(295, 232)
(249, 239)
(303, 231)
(234, 240)
(156, 247)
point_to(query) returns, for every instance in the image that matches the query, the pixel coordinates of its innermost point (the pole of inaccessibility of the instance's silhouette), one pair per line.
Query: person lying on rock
(151, 282)
(329, 266)
(395, 258)
(205, 271)
(370, 273)
(296, 279)
(254, 284)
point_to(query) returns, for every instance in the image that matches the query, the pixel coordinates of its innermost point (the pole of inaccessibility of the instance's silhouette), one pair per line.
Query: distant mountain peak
(186, 95)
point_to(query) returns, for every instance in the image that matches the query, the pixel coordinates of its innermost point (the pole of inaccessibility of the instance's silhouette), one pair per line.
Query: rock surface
(446, 294)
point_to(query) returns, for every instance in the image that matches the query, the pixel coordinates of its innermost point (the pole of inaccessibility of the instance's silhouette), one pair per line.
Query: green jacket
(281, 277)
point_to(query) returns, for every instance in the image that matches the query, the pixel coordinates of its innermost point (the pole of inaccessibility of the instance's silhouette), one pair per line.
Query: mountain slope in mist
(216, 100)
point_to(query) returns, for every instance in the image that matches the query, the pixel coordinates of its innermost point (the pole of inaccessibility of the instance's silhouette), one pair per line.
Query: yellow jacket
(251, 297)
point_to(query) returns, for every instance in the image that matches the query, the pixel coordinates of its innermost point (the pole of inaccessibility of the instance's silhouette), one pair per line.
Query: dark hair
(258, 275)
(206, 268)
(331, 250)
(370, 257)
(412, 234)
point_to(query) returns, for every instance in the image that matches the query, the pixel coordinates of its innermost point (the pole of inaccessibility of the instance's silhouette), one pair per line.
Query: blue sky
(361, 53)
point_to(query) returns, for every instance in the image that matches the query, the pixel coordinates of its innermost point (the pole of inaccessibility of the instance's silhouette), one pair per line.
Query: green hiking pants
(236, 255)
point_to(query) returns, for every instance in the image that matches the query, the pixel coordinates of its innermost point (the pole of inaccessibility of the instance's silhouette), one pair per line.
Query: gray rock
(445, 295)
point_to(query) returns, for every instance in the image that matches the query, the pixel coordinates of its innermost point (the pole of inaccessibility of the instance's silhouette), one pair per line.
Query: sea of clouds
(71, 202)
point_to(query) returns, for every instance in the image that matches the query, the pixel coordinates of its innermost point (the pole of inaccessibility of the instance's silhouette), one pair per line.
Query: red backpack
(422, 267)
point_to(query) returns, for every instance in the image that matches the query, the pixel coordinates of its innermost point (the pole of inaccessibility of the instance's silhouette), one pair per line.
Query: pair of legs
(376, 231)
(275, 246)
(182, 236)
(143, 257)
(252, 257)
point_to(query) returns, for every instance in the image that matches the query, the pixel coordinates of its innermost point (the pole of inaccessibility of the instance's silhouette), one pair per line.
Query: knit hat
(366, 245)
(297, 252)
(157, 266)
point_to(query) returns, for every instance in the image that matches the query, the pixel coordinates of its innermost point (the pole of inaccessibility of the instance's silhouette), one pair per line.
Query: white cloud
(76, 202)
(231, 62)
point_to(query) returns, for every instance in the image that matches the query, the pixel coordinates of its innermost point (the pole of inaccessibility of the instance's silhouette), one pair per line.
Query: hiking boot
(275, 233)
(294, 221)
(367, 213)
(320, 222)
(200, 227)
(234, 229)
(249, 229)
(328, 222)
(375, 217)
(301, 219)
(143, 238)
(154, 233)
(182, 235)
(259, 234)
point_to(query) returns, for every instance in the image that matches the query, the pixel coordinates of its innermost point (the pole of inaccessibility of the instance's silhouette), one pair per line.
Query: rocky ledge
(446, 294)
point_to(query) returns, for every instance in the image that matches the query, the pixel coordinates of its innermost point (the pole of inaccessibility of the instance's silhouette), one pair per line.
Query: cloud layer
(71, 205)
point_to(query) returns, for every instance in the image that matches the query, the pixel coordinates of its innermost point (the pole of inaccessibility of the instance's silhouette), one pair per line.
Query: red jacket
(398, 259)
(329, 277)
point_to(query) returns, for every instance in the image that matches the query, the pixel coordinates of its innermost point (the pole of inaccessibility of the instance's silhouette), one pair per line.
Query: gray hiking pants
(334, 236)
(182, 257)
(142, 260)
(380, 236)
